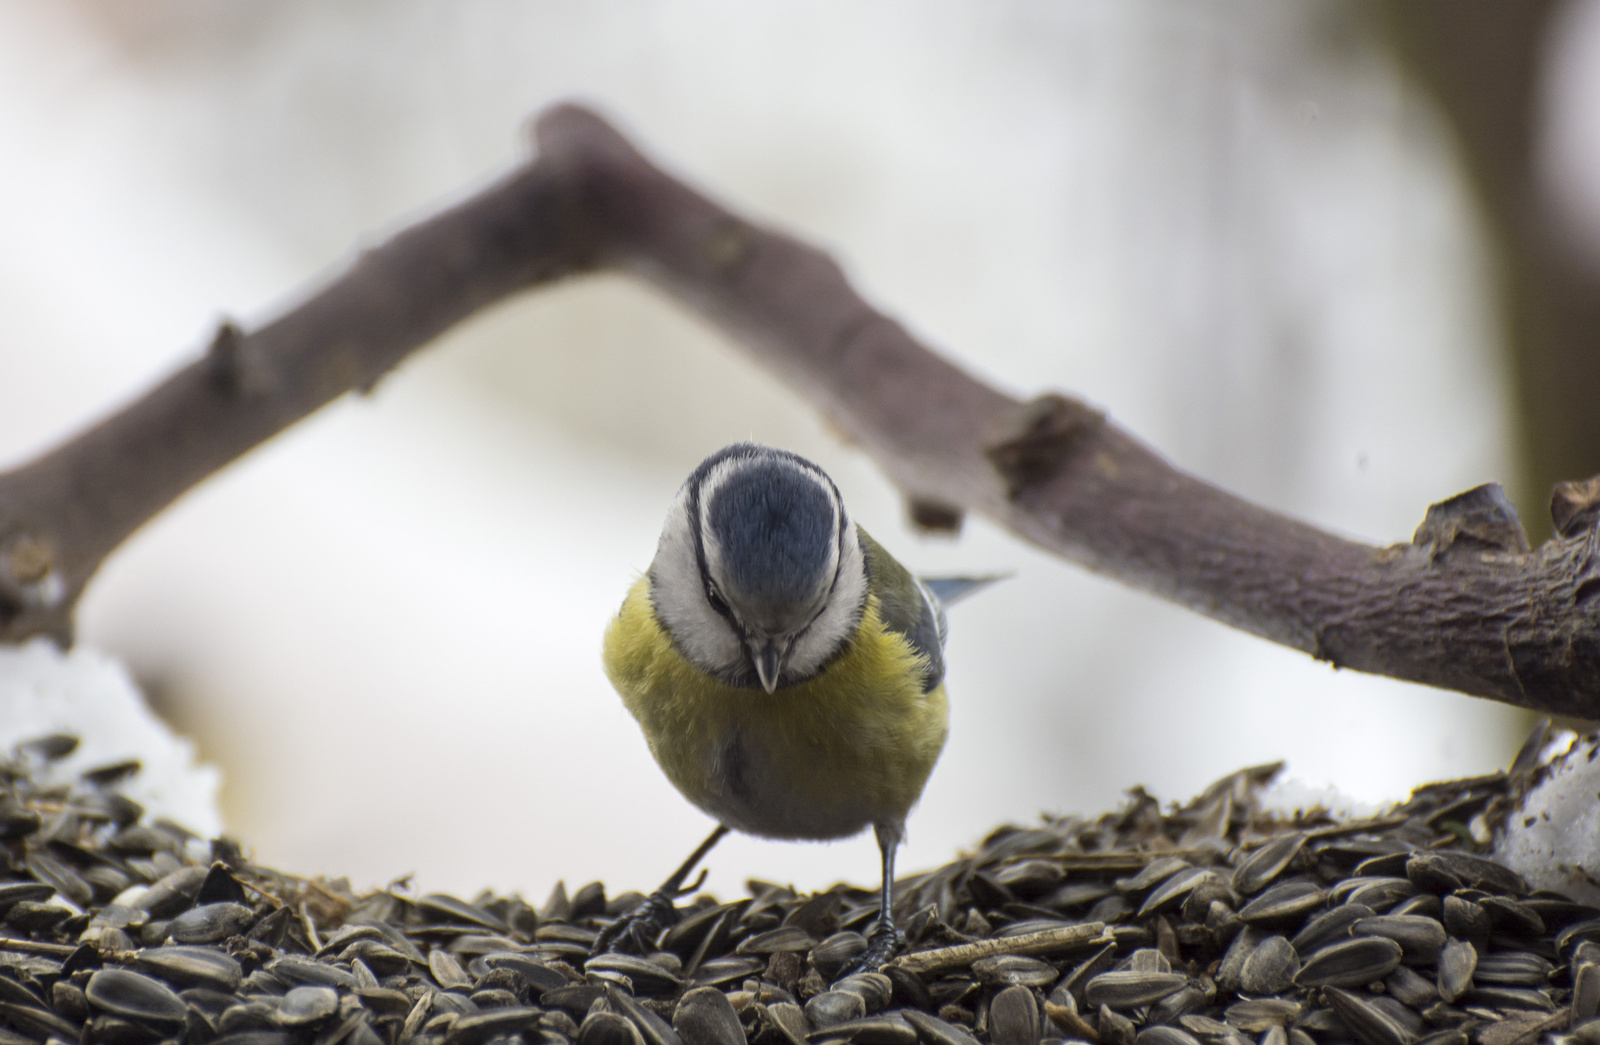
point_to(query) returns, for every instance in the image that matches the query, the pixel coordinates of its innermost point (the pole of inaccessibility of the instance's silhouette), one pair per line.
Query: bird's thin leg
(639, 926)
(885, 941)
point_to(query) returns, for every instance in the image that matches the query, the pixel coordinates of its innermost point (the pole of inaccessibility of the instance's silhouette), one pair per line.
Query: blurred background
(1328, 255)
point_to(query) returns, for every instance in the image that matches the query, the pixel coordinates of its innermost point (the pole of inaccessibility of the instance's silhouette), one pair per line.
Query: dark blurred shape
(1482, 61)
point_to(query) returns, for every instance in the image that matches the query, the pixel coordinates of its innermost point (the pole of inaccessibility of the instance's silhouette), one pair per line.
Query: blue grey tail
(951, 590)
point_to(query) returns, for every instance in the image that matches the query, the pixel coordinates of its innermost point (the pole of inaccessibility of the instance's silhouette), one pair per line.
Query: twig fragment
(1046, 941)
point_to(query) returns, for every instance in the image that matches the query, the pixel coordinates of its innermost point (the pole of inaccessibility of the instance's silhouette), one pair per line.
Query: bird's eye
(715, 598)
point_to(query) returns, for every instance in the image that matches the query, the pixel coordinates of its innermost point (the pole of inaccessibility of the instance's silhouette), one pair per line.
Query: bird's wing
(948, 591)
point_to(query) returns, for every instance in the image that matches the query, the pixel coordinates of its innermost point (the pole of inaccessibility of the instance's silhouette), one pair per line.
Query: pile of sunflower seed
(1213, 923)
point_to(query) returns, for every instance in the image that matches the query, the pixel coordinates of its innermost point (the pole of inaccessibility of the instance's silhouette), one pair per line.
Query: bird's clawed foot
(636, 931)
(883, 944)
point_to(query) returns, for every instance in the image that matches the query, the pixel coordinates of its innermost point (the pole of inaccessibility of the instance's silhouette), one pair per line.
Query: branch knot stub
(934, 517)
(233, 366)
(1038, 439)
(1575, 506)
(1480, 519)
(29, 577)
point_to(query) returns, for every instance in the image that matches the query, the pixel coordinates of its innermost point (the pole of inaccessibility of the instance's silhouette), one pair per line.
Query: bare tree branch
(1466, 605)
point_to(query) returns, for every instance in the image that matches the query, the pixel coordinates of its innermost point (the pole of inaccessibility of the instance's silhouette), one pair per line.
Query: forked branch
(1465, 605)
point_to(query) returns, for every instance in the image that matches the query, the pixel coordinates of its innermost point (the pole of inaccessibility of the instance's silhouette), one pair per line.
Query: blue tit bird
(787, 672)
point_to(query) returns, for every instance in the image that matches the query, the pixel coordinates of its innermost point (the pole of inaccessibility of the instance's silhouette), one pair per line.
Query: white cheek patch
(700, 633)
(713, 481)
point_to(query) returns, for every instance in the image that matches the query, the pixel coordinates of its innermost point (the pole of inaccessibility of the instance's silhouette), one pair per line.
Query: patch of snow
(1553, 840)
(1287, 796)
(85, 693)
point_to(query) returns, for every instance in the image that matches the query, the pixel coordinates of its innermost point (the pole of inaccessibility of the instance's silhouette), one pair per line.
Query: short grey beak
(768, 659)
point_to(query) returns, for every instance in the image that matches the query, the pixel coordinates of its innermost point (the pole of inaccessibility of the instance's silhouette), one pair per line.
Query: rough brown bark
(1466, 605)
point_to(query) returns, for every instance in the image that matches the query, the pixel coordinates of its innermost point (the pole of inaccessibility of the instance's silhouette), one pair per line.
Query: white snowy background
(1232, 225)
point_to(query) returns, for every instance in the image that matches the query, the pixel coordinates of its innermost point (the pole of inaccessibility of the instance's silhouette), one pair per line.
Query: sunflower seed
(726, 970)
(304, 1006)
(1384, 865)
(1146, 959)
(788, 1020)
(52, 871)
(1419, 938)
(1425, 904)
(37, 1021)
(1410, 988)
(1114, 1028)
(608, 1028)
(832, 954)
(1171, 893)
(1464, 918)
(385, 1002)
(17, 823)
(1585, 991)
(773, 941)
(1205, 1027)
(647, 977)
(1350, 963)
(1558, 914)
(1448, 1036)
(1444, 871)
(480, 1027)
(1010, 969)
(1192, 998)
(831, 1007)
(1284, 902)
(211, 923)
(449, 1001)
(440, 907)
(1515, 968)
(36, 918)
(1378, 893)
(68, 1000)
(1267, 863)
(874, 988)
(705, 1017)
(1232, 965)
(1257, 1014)
(1153, 873)
(191, 967)
(1128, 990)
(882, 1029)
(1372, 1024)
(1512, 917)
(1518, 1029)
(173, 893)
(296, 971)
(1332, 924)
(1014, 1017)
(1031, 878)
(1510, 998)
(1164, 1035)
(934, 1031)
(12, 893)
(1270, 968)
(538, 976)
(137, 998)
(1209, 889)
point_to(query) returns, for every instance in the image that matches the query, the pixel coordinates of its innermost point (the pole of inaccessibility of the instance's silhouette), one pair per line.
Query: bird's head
(759, 577)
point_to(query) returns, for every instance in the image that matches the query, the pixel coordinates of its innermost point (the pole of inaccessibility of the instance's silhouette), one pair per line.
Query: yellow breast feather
(777, 764)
